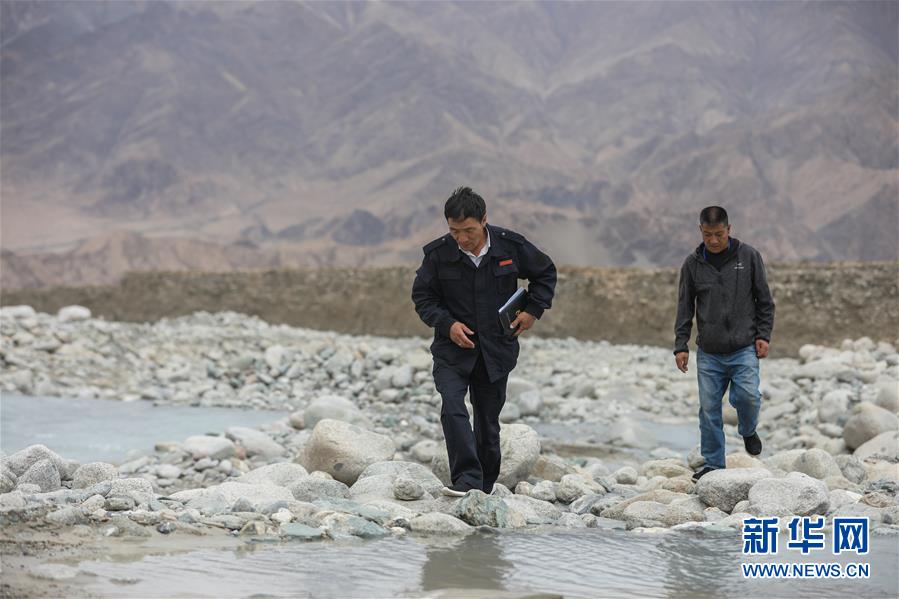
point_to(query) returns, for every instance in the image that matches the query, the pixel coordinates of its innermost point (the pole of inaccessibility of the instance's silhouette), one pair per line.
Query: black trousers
(474, 455)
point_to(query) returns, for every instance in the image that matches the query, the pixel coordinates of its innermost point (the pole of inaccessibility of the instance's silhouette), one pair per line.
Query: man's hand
(522, 322)
(680, 358)
(761, 348)
(459, 334)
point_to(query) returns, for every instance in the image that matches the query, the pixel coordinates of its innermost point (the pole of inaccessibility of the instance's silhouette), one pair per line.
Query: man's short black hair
(465, 203)
(713, 215)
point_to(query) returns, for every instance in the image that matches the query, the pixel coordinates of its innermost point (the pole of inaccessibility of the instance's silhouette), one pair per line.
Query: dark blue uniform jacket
(448, 288)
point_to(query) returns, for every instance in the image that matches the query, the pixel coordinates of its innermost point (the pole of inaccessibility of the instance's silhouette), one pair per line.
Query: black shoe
(457, 490)
(753, 444)
(701, 473)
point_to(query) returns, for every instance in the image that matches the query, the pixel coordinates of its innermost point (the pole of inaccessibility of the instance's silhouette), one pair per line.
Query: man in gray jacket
(723, 283)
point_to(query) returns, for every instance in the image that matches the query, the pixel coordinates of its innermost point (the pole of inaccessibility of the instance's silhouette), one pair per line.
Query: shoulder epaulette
(434, 245)
(510, 235)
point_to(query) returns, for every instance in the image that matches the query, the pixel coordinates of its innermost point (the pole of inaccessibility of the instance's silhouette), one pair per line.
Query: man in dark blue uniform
(465, 277)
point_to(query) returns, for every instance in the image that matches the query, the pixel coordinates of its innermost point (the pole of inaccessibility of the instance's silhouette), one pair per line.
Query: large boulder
(72, 313)
(867, 422)
(534, 511)
(681, 511)
(311, 488)
(796, 493)
(42, 473)
(334, 407)
(551, 468)
(382, 487)
(439, 524)
(344, 450)
(281, 474)
(520, 447)
(669, 468)
(724, 488)
(479, 509)
(646, 514)
(92, 473)
(219, 498)
(24, 459)
(256, 443)
(207, 446)
(887, 394)
(852, 468)
(885, 444)
(817, 463)
(411, 470)
(138, 489)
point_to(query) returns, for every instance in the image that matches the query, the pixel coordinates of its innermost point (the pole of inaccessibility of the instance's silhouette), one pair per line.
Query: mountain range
(225, 135)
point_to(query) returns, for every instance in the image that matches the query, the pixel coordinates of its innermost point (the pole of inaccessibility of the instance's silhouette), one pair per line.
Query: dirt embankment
(816, 303)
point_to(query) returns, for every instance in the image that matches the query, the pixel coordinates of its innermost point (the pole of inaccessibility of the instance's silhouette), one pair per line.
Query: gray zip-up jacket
(733, 306)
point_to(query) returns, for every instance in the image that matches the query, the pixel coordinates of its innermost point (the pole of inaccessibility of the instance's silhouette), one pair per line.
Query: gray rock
(228, 493)
(796, 493)
(841, 497)
(312, 488)
(53, 571)
(572, 487)
(344, 450)
(43, 474)
(22, 460)
(437, 523)
(67, 471)
(544, 491)
(256, 443)
(784, 460)
(424, 451)
(885, 444)
(440, 467)
(138, 489)
(817, 463)
(530, 403)
(867, 422)
(295, 531)
(569, 520)
(479, 509)
(852, 468)
(833, 406)
(533, 511)
(406, 489)
(334, 407)
(90, 474)
(73, 313)
(66, 516)
(724, 488)
(168, 471)
(887, 394)
(626, 475)
(118, 504)
(520, 447)
(282, 474)
(551, 468)
(668, 468)
(645, 514)
(244, 505)
(584, 505)
(342, 525)
(417, 472)
(205, 446)
(680, 511)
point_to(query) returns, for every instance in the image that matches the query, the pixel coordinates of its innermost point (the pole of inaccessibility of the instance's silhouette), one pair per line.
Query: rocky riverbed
(361, 454)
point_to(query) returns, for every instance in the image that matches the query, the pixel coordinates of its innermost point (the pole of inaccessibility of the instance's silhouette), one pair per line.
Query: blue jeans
(740, 370)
